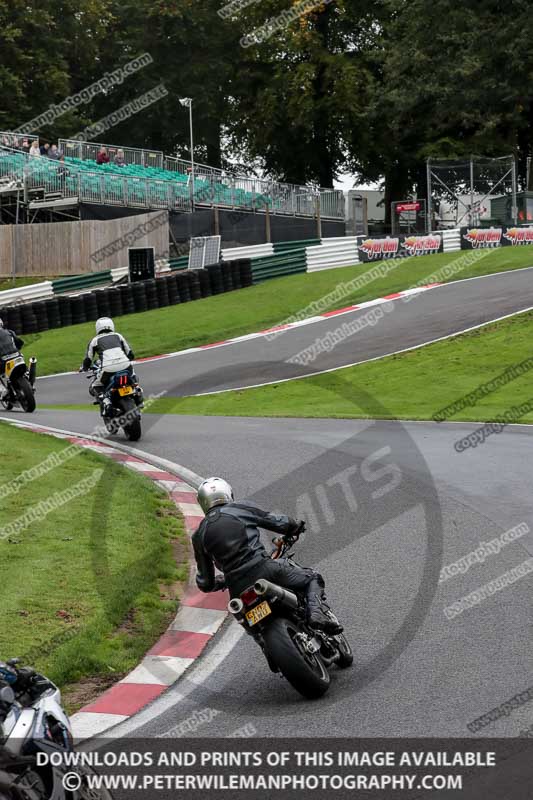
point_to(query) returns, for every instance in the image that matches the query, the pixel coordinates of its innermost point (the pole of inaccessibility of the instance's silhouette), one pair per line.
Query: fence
(87, 151)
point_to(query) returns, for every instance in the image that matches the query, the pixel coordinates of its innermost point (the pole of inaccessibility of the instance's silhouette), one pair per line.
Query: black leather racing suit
(9, 343)
(229, 539)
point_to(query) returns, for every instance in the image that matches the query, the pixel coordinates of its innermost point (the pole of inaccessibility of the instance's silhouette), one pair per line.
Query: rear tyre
(133, 431)
(26, 395)
(305, 672)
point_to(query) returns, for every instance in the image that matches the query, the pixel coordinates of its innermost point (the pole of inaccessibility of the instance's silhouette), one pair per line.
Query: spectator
(119, 160)
(62, 171)
(25, 146)
(44, 148)
(102, 157)
(34, 149)
(54, 153)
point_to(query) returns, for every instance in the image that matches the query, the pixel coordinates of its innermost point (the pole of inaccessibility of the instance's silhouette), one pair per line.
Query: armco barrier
(332, 253)
(75, 282)
(278, 265)
(253, 251)
(36, 291)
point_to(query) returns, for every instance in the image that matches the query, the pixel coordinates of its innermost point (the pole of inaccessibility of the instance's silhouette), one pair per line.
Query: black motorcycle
(276, 618)
(17, 382)
(120, 403)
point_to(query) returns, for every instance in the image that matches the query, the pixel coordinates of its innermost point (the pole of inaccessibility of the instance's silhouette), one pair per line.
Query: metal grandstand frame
(212, 187)
(467, 183)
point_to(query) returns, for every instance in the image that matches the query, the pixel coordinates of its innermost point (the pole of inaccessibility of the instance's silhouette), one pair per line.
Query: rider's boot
(320, 616)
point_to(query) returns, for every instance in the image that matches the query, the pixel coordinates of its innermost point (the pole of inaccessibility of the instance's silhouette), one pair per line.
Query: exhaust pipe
(33, 370)
(235, 606)
(286, 598)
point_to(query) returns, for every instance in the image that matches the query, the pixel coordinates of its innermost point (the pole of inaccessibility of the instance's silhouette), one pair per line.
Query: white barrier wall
(332, 253)
(27, 294)
(253, 251)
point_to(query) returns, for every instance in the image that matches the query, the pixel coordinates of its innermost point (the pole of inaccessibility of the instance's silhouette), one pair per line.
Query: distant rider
(229, 539)
(9, 344)
(113, 353)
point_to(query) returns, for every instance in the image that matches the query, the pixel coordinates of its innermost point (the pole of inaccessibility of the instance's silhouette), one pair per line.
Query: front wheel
(26, 395)
(304, 671)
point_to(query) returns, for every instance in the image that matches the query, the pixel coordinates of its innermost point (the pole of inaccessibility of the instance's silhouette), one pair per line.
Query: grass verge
(412, 385)
(88, 587)
(262, 306)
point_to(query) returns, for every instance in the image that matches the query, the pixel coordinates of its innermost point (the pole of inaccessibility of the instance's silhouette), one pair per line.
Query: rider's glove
(296, 529)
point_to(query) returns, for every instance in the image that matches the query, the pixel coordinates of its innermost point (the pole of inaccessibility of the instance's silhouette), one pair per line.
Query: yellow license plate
(124, 390)
(10, 365)
(258, 613)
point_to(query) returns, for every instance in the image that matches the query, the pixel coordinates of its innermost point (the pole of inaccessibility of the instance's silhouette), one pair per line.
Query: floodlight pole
(429, 209)
(187, 102)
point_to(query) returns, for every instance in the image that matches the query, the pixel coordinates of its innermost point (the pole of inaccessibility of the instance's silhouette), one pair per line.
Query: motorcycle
(17, 380)
(276, 618)
(120, 403)
(33, 721)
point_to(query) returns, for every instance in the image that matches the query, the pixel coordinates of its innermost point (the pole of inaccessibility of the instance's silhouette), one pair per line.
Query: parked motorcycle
(276, 618)
(17, 380)
(120, 403)
(32, 721)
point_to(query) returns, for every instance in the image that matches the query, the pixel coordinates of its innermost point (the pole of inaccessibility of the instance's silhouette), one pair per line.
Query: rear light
(248, 597)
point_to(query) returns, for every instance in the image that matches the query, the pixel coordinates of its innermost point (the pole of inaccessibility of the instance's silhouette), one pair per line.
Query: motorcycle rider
(114, 354)
(9, 343)
(228, 538)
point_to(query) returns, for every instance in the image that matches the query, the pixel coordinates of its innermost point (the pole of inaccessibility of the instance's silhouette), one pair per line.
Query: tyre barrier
(102, 302)
(91, 309)
(179, 287)
(139, 296)
(184, 287)
(77, 305)
(65, 310)
(194, 281)
(52, 312)
(41, 316)
(29, 320)
(162, 293)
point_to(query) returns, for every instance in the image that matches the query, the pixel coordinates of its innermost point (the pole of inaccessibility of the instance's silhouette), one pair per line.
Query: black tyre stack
(205, 283)
(52, 312)
(77, 305)
(162, 292)
(194, 280)
(235, 275)
(91, 308)
(41, 316)
(139, 296)
(65, 310)
(12, 318)
(215, 278)
(227, 276)
(126, 293)
(151, 294)
(115, 302)
(29, 320)
(172, 290)
(245, 269)
(102, 302)
(184, 286)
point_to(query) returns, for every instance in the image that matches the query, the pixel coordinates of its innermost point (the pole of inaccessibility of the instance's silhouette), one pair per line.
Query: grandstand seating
(142, 186)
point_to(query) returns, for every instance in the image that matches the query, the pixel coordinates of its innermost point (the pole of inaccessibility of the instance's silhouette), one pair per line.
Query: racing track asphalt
(439, 312)
(442, 673)
(388, 504)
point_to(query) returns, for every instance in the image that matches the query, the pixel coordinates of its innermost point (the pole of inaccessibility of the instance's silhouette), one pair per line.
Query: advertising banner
(398, 246)
(483, 238)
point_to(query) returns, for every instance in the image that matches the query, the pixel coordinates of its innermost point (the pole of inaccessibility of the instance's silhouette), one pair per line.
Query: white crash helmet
(104, 324)
(214, 492)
